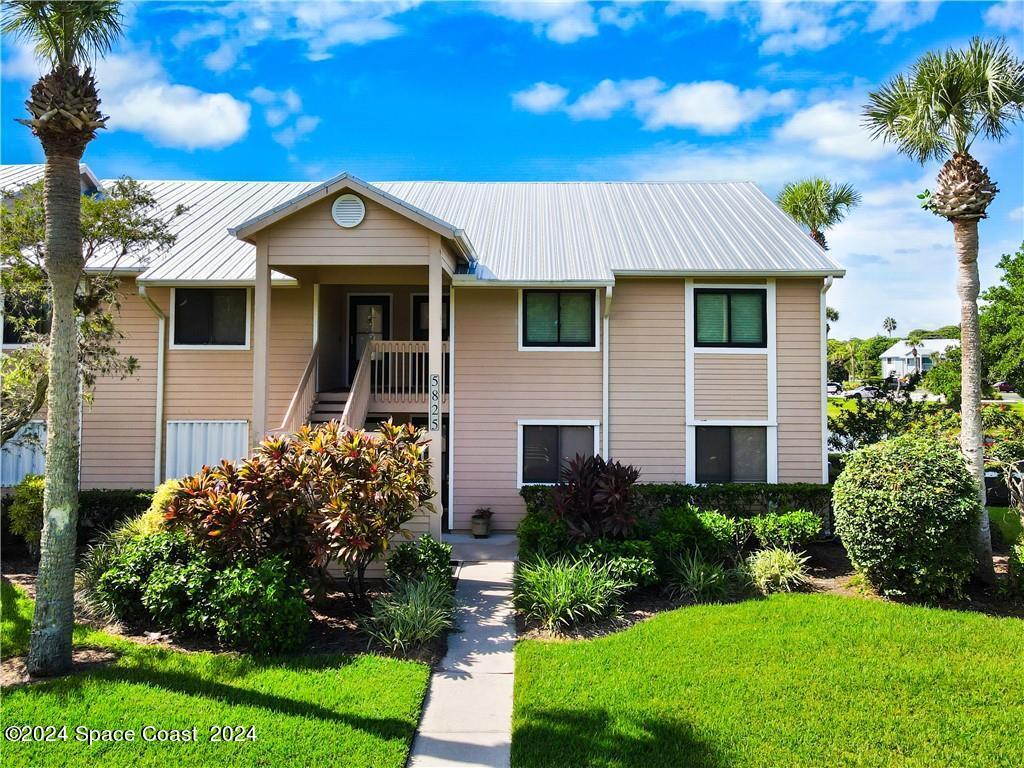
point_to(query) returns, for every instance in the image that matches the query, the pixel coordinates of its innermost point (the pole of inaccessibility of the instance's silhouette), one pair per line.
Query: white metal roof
(925, 347)
(523, 232)
(14, 176)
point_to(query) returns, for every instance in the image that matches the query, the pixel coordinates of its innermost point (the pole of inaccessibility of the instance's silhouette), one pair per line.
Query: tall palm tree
(64, 114)
(889, 325)
(831, 316)
(937, 111)
(818, 204)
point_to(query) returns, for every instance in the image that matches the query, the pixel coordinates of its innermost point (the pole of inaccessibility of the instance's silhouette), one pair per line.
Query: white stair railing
(399, 371)
(304, 398)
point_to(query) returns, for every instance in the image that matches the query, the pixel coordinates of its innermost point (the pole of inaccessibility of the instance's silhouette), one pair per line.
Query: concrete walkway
(467, 720)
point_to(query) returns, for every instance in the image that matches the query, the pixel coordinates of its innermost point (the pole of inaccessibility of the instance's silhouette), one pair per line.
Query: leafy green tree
(831, 316)
(889, 325)
(1002, 322)
(935, 113)
(64, 114)
(942, 332)
(943, 378)
(817, 204)
(125, 226)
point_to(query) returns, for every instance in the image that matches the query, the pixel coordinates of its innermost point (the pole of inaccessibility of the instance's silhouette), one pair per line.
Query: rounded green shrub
(259, 608)
(541, 535)
(424, 558)
(26, 510)
(176, 595)
(906, 510)
(792, 530)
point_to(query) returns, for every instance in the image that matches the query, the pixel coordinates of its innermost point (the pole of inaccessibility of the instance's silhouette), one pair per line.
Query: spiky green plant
(818, 204)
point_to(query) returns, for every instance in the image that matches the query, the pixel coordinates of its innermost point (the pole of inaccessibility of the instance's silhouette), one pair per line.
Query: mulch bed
(830, 572)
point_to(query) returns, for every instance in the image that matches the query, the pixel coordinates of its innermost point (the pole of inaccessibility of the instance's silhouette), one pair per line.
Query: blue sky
(403, 90)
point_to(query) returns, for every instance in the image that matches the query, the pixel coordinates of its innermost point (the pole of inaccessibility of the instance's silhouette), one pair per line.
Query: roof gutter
(160, 366)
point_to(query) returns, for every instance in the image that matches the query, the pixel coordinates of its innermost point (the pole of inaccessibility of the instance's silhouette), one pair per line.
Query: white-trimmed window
(731, 317)
(547, 446)
(731, 454)
(191, 444)
(203, 318)
(558, 320)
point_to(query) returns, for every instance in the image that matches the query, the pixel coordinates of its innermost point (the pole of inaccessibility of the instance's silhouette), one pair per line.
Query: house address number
(435, 403)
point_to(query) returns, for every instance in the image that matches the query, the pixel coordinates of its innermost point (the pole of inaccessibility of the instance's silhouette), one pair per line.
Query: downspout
(159, 426)
(604, 370)
(824, 384)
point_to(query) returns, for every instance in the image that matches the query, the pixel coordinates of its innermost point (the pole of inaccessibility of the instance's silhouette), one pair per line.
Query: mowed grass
(794, 680)
(333, 709)
(15, 620)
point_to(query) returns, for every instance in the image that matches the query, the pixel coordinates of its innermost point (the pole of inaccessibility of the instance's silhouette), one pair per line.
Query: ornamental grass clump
(694, 579)
(563, 594)
(776, 570)
(413, 614)
(906, 510)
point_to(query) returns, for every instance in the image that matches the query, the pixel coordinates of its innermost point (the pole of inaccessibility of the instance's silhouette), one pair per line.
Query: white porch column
(260, 344)
(435, 364)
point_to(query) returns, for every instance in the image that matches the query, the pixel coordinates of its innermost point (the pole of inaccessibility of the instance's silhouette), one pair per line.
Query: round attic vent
(348, 211)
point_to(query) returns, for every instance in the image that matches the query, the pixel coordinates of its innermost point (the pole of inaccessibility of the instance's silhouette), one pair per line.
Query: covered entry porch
(380, 280)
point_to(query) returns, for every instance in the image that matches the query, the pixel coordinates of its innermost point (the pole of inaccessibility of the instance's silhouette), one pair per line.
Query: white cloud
(833, 128)
(1006, 16)
(789, 28)
(541, 97)
(894, 18)
(711, 107)
(715, 10)
(322, 26)
(567, 21)
(303, 126)
(1017, 214)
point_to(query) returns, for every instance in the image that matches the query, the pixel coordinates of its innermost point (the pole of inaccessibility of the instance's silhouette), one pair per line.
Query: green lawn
(795, 680)
(15, 620)
(336, 710)
(1008, 522)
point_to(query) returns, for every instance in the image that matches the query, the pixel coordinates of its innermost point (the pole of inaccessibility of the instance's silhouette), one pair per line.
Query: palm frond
(65, 33)
(817, 203)
(947, 100)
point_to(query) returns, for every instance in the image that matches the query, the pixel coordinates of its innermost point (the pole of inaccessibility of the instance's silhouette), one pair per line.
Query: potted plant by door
(481, 523)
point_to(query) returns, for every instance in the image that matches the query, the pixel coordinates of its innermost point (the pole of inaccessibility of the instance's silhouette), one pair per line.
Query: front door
(369, 319)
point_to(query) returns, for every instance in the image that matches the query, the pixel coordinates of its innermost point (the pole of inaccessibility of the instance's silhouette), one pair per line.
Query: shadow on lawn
(181, 681)
(19, 626)
(559, 738)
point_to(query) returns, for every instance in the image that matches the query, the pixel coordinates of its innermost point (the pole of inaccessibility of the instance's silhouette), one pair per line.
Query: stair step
(331, 397)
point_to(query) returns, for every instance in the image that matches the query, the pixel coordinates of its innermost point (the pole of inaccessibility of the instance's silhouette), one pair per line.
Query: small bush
(425, 558)
(129, 562)
(1016, 570)
(176, 595)
(413, 614)
(630, 562)
(906, 510)
(776, 570)
(562, 594)
(26, 511)
(693, 578)
(791, 530)
(684, 529)
(258, 608)
(542, 535)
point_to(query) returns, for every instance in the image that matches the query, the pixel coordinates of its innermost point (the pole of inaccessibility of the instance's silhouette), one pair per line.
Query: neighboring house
(905, 358)
(676, 326)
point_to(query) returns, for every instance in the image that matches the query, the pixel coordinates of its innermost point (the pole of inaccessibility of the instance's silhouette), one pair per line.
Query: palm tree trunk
(965, 238)
(50, 643)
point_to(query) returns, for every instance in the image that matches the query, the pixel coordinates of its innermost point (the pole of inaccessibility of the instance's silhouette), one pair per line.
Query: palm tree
(889, 325)
(64, 114)
(831, 316)
(937, 111)
(817, 204)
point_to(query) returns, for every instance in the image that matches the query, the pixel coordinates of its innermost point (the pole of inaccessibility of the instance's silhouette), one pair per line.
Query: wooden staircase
(328, 406)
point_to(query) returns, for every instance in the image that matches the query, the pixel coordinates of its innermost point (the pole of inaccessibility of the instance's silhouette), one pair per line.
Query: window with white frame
(730, 317)
(216, 317)
(553, 318)
(732, 454)
(547, 448)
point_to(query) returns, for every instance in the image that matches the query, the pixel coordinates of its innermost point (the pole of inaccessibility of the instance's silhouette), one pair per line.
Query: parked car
(834, 388)
(1003, 386)
(866, 392)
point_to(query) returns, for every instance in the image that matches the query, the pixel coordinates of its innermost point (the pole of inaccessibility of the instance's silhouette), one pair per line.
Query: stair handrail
(304, 397)
(358, 402)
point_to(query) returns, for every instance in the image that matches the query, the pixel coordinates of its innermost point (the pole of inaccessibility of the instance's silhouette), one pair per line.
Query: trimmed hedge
(732, 499)
(99, 509)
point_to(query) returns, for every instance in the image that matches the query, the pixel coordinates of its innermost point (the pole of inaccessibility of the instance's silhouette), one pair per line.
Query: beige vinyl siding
(798, 340)
(496, 386)
(647, 404)
(311, 232)
(118, 424)
(291, 343)
(730, 386)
